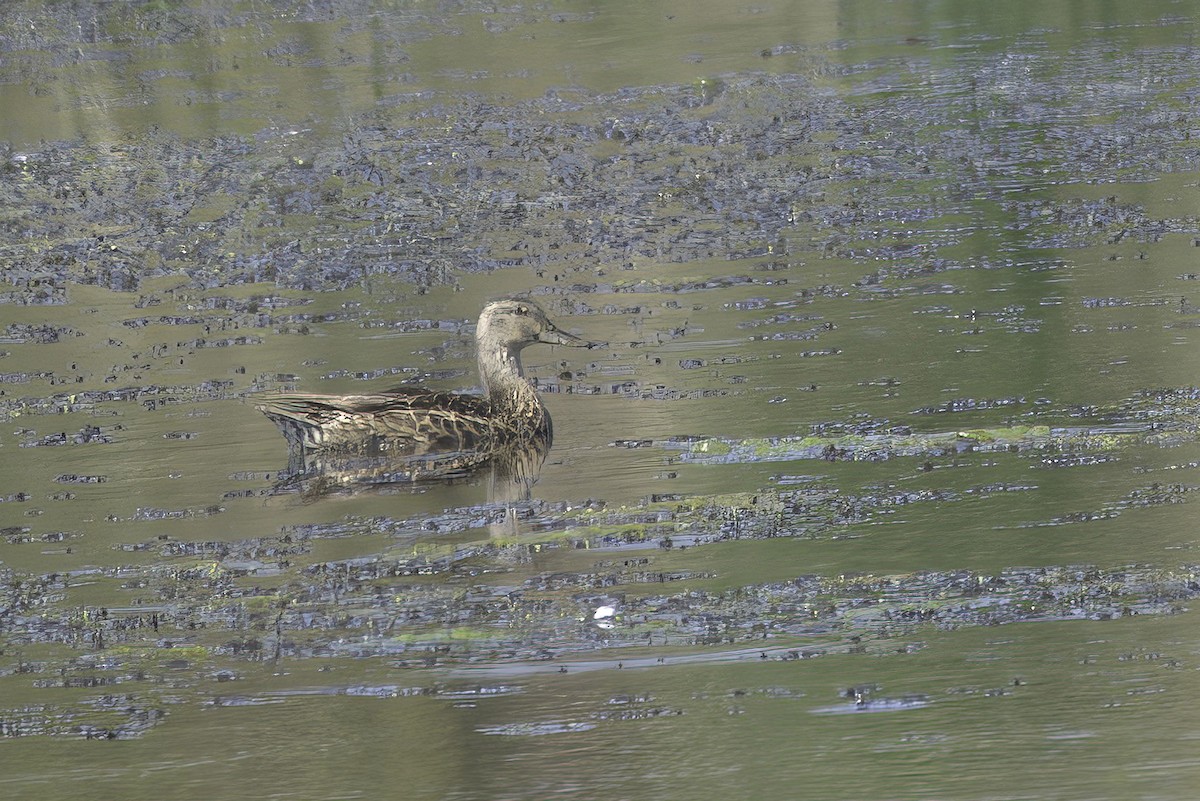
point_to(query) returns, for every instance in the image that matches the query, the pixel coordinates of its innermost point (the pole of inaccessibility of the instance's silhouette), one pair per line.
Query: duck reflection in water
(415, 434)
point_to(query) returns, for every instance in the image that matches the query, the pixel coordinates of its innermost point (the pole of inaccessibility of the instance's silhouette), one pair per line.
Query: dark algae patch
(440, 602)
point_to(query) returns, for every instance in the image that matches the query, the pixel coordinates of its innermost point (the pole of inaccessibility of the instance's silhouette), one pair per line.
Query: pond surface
(881, 488)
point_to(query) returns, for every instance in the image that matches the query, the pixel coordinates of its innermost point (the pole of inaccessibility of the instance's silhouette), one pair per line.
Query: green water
(875, 226)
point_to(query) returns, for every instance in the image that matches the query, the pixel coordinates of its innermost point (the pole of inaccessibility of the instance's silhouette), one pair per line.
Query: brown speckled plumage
(432, 433)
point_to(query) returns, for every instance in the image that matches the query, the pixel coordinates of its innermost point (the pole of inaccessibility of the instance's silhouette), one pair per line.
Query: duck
(430, 433)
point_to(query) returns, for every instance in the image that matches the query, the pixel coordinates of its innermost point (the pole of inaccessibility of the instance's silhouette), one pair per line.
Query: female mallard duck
(432, 433)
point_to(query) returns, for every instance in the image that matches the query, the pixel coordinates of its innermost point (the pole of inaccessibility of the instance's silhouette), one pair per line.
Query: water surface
(885, 474)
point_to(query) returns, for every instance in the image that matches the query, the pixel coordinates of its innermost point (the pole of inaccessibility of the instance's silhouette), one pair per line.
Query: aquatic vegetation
(1124, 427)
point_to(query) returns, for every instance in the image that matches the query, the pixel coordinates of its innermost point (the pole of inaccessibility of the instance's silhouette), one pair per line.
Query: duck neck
(504, 381)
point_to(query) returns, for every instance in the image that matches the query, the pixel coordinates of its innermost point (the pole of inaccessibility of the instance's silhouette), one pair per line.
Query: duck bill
(553, 336)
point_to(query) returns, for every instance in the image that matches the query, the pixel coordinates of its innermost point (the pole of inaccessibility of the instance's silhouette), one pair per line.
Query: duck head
(513, 324)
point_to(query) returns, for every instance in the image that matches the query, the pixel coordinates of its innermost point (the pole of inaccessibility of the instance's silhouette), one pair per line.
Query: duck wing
(403, 422)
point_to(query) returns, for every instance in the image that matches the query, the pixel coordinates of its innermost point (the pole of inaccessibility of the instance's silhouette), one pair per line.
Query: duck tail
(298, 417)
